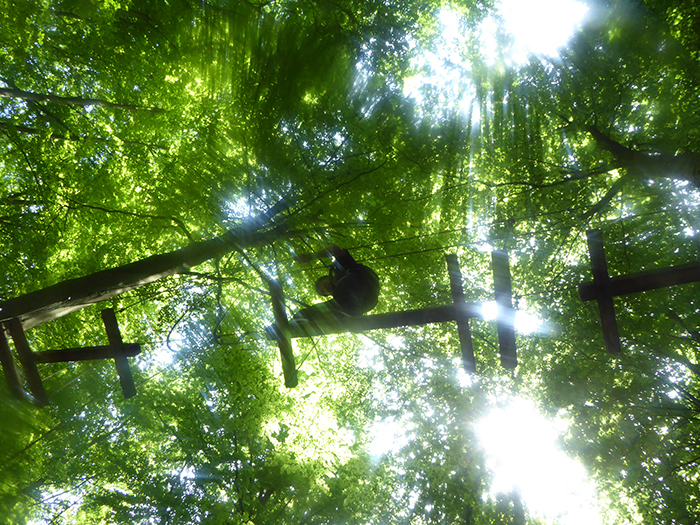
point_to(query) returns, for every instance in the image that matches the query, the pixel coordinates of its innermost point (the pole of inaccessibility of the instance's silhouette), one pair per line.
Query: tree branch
(335, 188)
(54, 136)
(175, 220)
(69, 101)
(608, 197)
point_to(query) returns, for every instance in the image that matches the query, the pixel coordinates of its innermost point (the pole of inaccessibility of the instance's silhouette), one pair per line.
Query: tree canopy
(131, 129)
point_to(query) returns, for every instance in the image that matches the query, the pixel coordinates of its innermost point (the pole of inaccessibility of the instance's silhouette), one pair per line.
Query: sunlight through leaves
(523, 454)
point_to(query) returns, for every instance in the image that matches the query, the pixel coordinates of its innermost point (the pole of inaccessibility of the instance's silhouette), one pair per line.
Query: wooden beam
(120, 360)
(363, 323)
(601, 282)
(463, 330)
(641, 282)
(27, 360)
(65, 297)
(14, 385)
(505, 320)
(87, 353)
(282, 335)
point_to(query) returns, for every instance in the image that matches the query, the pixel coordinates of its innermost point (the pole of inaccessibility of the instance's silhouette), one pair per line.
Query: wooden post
(27, 359)
(120, 360)
(601, 284)
(463, 330)
(8, 366)
(282, 335)
(505, 320)
(116, 350)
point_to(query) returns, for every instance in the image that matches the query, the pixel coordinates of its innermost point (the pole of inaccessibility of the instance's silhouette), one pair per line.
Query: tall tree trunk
(685, 166)
(62, 298)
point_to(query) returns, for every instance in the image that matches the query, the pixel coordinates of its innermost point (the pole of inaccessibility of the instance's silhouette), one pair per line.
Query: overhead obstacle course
(459, 311)
(116, 350)
(604, 288)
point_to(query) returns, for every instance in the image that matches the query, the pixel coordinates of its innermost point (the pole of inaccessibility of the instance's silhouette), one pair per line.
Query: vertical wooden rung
(26, 358)
(601, 278)
(505, 320)
(120, 360)
(463, 330)
(14, 384)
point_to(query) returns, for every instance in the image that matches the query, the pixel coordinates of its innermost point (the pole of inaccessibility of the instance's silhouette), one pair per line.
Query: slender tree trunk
(518, 508)
(68, 101)
(62, 298)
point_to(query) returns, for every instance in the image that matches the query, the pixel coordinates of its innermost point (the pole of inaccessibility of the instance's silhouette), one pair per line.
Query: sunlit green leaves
(244, 105)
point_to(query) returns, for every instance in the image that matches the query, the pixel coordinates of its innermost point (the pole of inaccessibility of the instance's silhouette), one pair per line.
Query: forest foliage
(130, 129)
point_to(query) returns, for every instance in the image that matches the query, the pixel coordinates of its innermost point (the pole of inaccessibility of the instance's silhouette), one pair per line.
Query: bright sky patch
(522, 452)
(540, 27)
(525, 322)
(443, 70)
(388, 436)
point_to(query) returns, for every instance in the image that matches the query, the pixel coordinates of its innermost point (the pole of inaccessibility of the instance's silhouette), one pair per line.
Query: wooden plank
(505, 320)
(14, 385)
(463, 330)
(641, 282)
(364, 323)
(601, 282)
(87, 353)
(36, 387)
(120, 360)
(282, 335)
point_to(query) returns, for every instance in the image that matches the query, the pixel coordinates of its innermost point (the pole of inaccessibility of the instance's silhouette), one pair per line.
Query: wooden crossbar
(86, 353)
(604, 288)
(421, 316)
(116, 350)
(641, 282)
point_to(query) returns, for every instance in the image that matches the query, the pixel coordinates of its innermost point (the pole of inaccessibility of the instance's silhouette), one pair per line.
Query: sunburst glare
(522, 452)
(540, 27)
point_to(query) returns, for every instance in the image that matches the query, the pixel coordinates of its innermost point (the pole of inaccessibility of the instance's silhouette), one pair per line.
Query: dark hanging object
(459, 311)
